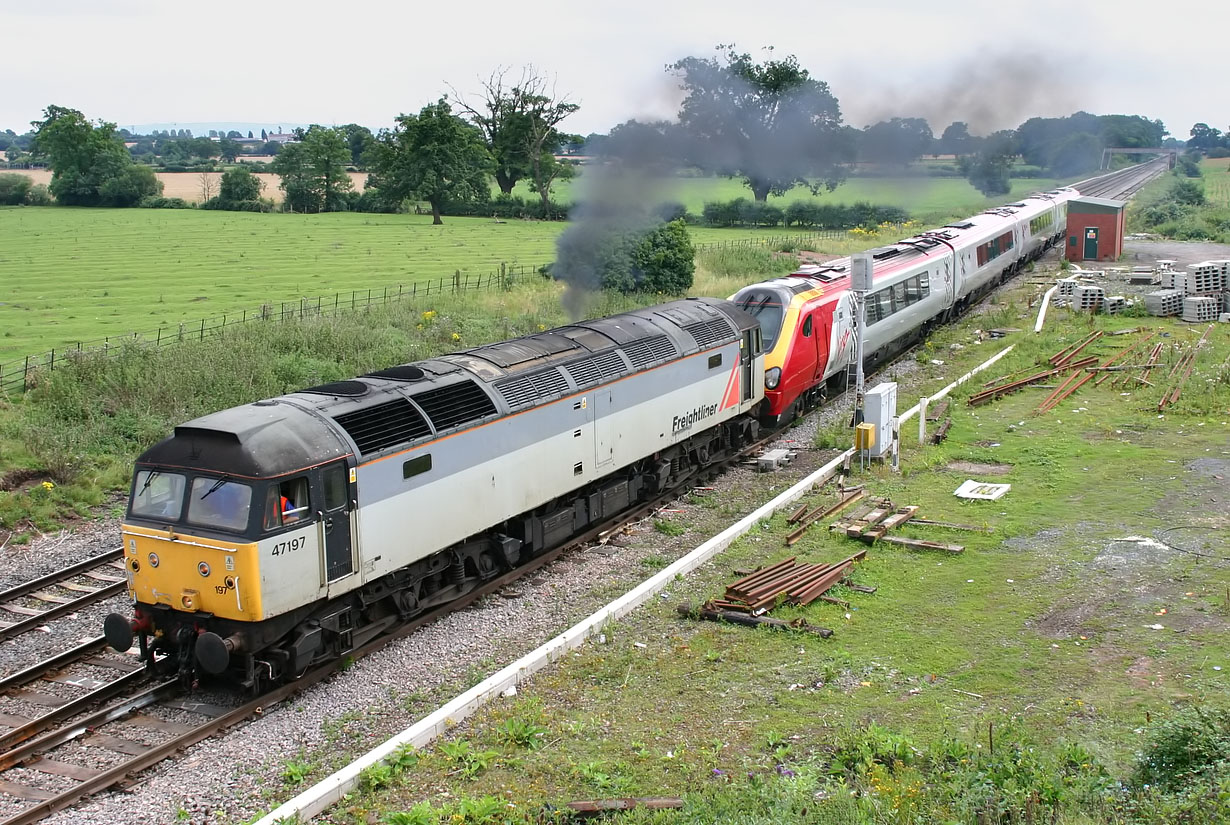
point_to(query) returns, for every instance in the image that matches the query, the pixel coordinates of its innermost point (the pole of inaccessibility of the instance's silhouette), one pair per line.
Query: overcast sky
(991, 64)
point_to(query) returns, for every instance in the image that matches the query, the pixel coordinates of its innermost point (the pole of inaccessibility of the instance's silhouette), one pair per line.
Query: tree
(956, 139)
(626, 255)
(313, 170)
(358, 139)
(518, 122)
(771, 124)
(239, 185)
(228, 149)
(208, 184)
(1204, 137)
(250, 134)
(90, 166)
(264, 135)
(14, 188)
(271, 148)
(666, 259)
(898, 141)
(435, 156)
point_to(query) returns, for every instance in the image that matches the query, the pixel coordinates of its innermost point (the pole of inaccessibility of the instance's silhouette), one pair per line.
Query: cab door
(334, 522)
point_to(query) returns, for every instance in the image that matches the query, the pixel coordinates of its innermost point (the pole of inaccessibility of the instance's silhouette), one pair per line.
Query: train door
(601, 413)
(334, 522)
(747, 356)
(824, 331)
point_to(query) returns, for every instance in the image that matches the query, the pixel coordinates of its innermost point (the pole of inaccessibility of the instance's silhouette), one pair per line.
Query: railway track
(37, 602)
(40, 759)
(1123, 184)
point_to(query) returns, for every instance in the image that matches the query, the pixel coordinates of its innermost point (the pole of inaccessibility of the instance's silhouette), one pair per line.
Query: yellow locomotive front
(236, 526)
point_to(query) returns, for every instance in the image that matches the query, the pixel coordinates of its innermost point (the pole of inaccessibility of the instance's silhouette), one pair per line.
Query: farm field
(1216, 181)
(921, 196)
(75, 275)
(188, 185)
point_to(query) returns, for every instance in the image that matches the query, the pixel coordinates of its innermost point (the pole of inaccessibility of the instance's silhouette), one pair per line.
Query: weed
(669, 528)
(521, 733)
(469, 762)
(294, 772)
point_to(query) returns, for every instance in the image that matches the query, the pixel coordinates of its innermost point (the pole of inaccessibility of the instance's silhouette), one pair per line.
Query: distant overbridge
(1157, 150)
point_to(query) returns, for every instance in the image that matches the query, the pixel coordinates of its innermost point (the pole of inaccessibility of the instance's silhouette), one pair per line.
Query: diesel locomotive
(264, 538)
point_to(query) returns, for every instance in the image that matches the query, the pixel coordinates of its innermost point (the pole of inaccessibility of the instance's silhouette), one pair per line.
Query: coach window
(899, 302)
(287, 503)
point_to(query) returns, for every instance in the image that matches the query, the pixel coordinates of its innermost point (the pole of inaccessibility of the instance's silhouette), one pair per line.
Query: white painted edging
(331, 789)
(931, 399)
(1046, 300)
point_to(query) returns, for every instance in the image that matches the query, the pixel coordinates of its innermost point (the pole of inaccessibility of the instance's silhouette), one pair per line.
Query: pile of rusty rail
(804, 517)
(1179, 374)
(788, 581)
(1063, 361)
(1079, 379)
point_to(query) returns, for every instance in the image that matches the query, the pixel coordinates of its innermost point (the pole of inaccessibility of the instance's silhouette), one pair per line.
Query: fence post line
(25, 375)
(158, 343)
(202, 329)
(52, 365)
(181, 332)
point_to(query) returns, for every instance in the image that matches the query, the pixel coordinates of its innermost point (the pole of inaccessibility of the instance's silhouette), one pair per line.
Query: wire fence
(21, 374)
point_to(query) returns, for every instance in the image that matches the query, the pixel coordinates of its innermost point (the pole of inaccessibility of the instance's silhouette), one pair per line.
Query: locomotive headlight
(772, 377)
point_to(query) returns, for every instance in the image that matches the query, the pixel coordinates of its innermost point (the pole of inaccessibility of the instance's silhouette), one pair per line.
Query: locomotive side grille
(518, 392)
(610, 364)
(585, 373)
(708, 333)
(649, 351)
(549, 383)
(384, 425)
(456, 404)
(524, 391)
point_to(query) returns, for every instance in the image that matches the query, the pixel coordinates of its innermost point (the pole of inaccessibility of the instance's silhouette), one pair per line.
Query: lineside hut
(1095, 229)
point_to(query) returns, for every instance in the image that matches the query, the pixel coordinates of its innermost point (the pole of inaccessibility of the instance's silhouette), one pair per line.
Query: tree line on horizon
(769, 124)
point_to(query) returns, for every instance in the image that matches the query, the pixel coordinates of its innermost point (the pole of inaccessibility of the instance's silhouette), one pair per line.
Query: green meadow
(77, 275)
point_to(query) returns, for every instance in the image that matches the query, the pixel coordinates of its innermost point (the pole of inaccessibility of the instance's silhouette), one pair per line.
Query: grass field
(74, 275)
(1216, 181)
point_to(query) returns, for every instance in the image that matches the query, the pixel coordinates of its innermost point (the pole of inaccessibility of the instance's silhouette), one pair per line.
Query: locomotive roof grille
(349, 389)
(886, 252)
(403, 372)
(961, 225)
(455, 404)
(384, 425)
(651, 350)
(524, 391)
(708, 333)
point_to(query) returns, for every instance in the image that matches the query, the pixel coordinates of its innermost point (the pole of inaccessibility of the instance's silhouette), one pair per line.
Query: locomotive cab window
(219, 503)
(769, 310)
(157, 495)
(287, 503)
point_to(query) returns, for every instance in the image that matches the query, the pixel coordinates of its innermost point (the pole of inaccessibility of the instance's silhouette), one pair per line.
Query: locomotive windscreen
(768, 308)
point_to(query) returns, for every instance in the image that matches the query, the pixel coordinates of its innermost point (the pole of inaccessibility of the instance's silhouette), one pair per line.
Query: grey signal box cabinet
(880, 408)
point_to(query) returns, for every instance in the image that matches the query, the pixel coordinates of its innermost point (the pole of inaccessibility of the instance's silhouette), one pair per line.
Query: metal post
(861, 267)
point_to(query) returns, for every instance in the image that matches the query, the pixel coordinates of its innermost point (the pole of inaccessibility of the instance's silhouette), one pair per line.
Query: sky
(990, 64)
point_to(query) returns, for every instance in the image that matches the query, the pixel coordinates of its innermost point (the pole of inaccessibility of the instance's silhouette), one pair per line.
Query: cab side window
(287, 503)
(807, 327)
(335, 487)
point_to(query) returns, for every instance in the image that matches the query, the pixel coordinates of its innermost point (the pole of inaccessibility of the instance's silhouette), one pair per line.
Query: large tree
(313, 170)
(898, 141)
(435, 156)
(771, 124)
(519, 123)
(89, 164)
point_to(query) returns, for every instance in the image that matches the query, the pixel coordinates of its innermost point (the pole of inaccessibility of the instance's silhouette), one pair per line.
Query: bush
(39, 195)
(672, 211)
(14, 188)
(159, 202)
(1193, 745)
(665, 259)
